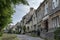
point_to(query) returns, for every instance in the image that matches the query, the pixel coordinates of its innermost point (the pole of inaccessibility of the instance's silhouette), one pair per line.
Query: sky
(22, 10)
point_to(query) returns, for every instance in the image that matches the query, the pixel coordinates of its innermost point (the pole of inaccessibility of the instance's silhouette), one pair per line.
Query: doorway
(46, 25)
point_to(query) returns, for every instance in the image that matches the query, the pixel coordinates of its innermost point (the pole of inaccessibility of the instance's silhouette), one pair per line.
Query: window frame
(55, 21)
(55, 3)
(46, 8)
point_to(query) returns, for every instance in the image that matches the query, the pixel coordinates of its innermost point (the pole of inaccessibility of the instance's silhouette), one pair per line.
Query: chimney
(31, 8)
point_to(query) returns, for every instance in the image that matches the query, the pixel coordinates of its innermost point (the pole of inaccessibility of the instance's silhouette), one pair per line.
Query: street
(26, 37)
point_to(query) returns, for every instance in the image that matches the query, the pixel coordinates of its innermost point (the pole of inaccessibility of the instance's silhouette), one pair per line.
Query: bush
(1, 32)
(57, 34)
(46, 39)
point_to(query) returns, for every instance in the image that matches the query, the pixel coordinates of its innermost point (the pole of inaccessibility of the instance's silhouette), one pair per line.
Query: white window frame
(55, 22)
(46, 8)
(55, 3)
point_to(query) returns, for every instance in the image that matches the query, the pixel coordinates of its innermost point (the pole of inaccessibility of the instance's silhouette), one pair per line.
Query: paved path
(25, 37)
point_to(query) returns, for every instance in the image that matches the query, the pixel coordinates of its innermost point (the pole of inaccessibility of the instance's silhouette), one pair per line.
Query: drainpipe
(59, 20)
(36, 21)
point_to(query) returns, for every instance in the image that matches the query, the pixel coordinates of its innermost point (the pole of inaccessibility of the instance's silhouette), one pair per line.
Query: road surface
(26, 37)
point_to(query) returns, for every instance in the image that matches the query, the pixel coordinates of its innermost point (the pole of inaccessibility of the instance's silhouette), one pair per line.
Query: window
(34, 18)
(46, 8)
(55, 3)
(31, 26)
(34, 26)
(28, 28)
(55, 22)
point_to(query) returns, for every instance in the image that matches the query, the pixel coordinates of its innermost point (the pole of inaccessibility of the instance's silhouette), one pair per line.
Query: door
(46, 25)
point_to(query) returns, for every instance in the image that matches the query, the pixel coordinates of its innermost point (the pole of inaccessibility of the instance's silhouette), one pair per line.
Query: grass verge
(8, 37)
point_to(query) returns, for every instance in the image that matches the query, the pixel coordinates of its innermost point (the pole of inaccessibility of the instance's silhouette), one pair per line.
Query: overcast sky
(22, 10)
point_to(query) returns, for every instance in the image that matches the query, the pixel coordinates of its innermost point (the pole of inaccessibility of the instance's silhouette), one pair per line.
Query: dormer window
(55, 3)
(46, 8)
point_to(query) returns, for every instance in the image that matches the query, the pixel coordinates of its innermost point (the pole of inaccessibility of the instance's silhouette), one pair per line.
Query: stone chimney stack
(31, 8)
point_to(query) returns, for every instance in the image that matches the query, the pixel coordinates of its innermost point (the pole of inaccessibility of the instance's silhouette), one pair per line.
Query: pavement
(26, 37)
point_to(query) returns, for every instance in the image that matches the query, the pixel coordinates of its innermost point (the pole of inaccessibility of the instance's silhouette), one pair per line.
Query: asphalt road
(26, 37)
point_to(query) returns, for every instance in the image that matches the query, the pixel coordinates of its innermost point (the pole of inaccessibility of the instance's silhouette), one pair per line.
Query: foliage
(6, 11)
(24, 28)
(57, 34)
(46, 39)
(1, 34)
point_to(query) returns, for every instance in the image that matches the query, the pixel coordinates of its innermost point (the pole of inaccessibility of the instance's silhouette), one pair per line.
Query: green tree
(6, 11)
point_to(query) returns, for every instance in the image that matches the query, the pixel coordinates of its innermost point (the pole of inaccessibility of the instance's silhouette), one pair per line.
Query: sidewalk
(26, 37)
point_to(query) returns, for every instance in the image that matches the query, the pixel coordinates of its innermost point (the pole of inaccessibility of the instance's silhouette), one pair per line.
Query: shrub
(1, 32)
(46, 39)
(57, 34)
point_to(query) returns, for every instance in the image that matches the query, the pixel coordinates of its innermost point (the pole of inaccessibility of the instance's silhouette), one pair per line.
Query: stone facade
(27, 20)
(34, 19)
(46, 18)
(48, 14)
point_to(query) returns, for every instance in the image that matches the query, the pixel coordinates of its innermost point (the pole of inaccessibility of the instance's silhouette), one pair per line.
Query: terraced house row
(46, 18)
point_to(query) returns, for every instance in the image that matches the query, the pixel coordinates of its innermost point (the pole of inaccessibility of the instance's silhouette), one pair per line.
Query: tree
(6, 11)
